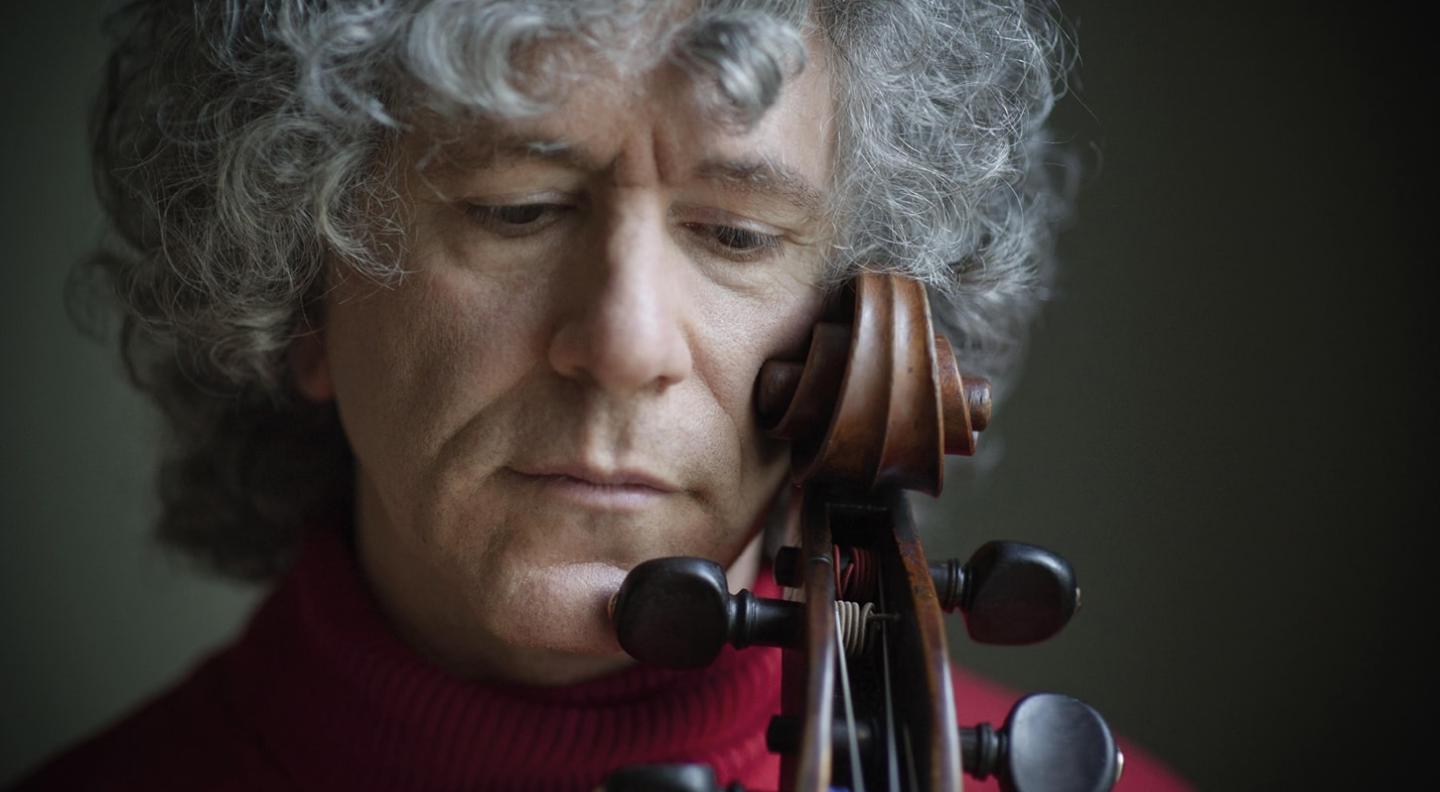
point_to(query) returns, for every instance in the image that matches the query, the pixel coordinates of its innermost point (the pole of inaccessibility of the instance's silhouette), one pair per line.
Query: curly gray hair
(239, 147)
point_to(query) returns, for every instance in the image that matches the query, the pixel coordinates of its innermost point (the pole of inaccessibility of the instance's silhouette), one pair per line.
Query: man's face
(561, 388)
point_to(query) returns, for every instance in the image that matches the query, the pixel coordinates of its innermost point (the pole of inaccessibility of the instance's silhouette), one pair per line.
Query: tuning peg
(1049, 743)
(666, 778)
(679, 613)
(1010, 592)
(785, 732)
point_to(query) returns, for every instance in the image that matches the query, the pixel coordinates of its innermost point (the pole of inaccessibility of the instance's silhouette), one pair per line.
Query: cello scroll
(871, 412)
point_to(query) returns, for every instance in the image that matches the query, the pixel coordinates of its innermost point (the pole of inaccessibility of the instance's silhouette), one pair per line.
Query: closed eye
(741, 244)
(515, 220)
(525, 219)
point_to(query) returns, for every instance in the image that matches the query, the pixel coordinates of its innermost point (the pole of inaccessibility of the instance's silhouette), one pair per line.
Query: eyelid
(520, 199)
(694, 215)
(705, 236)
(488, 216)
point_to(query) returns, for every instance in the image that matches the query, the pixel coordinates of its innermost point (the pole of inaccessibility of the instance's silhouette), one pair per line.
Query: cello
(866, 695)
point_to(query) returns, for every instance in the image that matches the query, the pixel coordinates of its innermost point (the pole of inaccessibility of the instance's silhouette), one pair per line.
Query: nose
(625, 327)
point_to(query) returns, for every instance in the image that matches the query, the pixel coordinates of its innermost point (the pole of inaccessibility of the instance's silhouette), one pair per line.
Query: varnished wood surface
(873, 411)
(923, 687)
(812, 764)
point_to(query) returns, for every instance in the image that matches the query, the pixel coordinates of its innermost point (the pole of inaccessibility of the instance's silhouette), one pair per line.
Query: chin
(564, 609)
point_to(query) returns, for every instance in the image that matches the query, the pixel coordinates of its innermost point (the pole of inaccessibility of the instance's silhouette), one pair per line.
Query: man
(461, 304)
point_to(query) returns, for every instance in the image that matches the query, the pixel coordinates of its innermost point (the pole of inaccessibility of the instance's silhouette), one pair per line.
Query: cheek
(744, 333)
(747, 330)
(368, 361)
(407, 364)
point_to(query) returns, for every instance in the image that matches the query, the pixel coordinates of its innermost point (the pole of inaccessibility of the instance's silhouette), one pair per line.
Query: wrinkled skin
(562, 386)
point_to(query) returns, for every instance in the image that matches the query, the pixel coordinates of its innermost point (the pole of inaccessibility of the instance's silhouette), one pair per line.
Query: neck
(346, 704)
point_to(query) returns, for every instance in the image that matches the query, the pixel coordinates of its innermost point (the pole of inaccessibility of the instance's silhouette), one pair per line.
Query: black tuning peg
(666, 778)
(679, 613)
(1010, 592)
(1049, 743)
(785, 732)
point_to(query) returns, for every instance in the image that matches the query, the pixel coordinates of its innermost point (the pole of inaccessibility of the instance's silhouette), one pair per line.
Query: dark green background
(1221, 423)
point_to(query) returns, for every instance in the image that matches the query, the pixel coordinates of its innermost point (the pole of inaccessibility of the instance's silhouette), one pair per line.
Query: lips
(620, 477)
(621, 488)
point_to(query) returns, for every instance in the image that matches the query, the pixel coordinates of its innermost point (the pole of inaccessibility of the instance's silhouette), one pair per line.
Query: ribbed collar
(341, 703)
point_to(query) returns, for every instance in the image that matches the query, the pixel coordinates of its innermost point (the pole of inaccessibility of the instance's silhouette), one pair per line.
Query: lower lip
(600, 496)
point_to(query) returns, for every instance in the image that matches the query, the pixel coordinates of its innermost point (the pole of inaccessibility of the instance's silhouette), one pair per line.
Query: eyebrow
(764, 176)
(759, 175)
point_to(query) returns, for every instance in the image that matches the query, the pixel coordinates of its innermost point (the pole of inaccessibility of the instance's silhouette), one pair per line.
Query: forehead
(599, 116)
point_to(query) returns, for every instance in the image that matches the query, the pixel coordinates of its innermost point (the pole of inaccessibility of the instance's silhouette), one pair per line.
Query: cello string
(857, 778)
(910, 760)
(892, 761)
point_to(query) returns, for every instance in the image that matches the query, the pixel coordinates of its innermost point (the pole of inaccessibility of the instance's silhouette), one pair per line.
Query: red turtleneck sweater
(318, 694)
